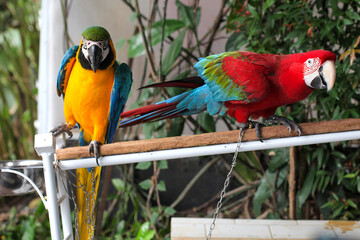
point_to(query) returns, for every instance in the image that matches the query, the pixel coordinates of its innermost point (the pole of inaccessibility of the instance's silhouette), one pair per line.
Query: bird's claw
(63, 127)
(285, 121)
(94, 148)
(274, 119)
(257, 126)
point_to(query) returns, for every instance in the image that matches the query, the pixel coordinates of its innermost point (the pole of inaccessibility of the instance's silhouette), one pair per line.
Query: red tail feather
(155, 111)
(143, 110)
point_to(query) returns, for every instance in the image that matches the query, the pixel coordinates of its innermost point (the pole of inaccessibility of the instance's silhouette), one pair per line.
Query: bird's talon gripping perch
(285, 121)
(253, 124)
(63, 127)
(94, 148)
(258, 126)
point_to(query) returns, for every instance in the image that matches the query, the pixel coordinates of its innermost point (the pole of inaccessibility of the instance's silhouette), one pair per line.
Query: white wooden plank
(231, 229)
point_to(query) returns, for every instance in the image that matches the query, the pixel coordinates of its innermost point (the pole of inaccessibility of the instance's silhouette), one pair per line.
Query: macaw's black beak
(95, 54)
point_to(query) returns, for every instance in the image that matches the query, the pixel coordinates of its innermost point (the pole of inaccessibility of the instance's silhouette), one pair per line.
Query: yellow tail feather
(86, 198)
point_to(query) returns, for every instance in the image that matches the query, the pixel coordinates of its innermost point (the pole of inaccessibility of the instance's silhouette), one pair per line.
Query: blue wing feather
(69, 57)
(119, 96)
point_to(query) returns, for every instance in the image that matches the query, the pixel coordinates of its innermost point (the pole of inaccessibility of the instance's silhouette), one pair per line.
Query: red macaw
(95, 88)
(243, 85)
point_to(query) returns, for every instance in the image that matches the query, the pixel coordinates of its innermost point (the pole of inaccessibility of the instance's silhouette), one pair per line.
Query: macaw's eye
(310, 62)
(84, 47)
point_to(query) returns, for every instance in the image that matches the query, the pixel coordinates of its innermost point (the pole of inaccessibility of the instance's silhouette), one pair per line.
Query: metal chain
(71, 195)
(92, 204)
(226, 184)
(90, 221)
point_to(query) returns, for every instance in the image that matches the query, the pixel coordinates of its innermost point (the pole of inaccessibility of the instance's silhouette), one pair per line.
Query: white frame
(57, 196)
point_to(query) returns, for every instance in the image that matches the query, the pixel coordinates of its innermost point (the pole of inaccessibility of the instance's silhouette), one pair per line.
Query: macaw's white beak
(324, 77)
(328, 74)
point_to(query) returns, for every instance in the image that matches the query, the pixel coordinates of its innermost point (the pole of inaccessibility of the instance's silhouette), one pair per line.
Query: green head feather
(96, 33)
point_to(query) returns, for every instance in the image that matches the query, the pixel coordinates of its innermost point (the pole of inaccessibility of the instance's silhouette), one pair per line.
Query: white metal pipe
(65, 208)
(209, 150)
(50, 184)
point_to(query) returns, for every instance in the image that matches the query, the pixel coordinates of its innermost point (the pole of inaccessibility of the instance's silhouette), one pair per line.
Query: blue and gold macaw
(95, 88)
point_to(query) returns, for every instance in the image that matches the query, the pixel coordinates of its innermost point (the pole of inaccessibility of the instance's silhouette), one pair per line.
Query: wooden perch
(210, 139)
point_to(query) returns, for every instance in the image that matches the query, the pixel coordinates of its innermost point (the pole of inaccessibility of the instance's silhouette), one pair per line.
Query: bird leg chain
(226, 184)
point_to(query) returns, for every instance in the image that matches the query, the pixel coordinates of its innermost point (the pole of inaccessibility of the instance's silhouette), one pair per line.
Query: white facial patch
(311, 68)
(103, 45)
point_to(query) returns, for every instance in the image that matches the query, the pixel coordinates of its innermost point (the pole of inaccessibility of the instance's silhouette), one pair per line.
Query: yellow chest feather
(87, 100)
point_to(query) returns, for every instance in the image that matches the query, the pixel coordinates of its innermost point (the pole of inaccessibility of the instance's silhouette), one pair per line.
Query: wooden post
(292, 184)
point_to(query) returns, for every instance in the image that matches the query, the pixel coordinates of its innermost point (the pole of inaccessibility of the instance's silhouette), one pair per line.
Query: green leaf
(206, 121)
(267, 4)
(264, 190)
(145, 233)
(351, 203)
(154, 129)
(161, 186)
(177, 125)
(120, 227)
(246, 172)
(347, 21)
(169, 211)
(253, 12)
(326, 183)
(136, 46)
(163, 164)
(353, 15)
(173, 52)
(188, 16)
(335, 196)
(119, 184)
(338, 154)
(304, 192)
(235, 42)
(143, 165)
(350, 175)
(154, 217)
(354, 113)
(337, 211)
(29, 232)
(146, 184)
(280, 158)
(133, 16)
(120, 43)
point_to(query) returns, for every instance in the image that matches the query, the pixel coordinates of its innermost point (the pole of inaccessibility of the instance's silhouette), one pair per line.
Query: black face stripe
(103, 65)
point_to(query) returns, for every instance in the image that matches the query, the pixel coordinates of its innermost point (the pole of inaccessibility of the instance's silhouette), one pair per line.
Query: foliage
(327, 174)
(19, 57)
(33, 226)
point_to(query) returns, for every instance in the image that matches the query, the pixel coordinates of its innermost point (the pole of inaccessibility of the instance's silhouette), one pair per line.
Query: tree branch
(145, 42)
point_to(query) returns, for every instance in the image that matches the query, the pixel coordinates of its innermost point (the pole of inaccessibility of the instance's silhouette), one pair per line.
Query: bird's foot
(274, 119)
(256, 125)
(94, 148)
(63, 127)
